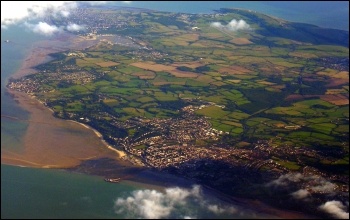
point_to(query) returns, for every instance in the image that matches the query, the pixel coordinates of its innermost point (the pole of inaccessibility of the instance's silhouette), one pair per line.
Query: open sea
(330, 14)
(50, 193)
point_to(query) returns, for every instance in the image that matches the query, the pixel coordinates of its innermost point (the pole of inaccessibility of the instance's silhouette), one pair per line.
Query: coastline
(56, 143)
(50, 142)
(40, 52)
(99, 135)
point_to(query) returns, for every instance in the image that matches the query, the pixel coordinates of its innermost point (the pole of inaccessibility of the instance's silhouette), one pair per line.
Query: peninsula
(239, 101)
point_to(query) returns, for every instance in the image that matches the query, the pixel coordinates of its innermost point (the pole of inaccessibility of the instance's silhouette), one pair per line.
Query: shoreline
(40, 51)
(42, 122)
(50, 142)
(99, 135)
(41, 148)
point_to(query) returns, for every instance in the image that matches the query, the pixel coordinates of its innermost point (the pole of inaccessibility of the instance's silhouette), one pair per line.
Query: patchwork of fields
(254, 85)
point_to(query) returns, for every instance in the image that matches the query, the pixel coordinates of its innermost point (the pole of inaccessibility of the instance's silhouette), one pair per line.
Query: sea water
(42, 193)
(329, 14)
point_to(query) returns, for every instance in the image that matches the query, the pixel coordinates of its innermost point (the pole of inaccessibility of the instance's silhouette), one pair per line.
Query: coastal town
(204, 114)
(183, 143)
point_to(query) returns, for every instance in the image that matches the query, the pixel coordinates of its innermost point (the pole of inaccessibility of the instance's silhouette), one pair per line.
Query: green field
(276, 83)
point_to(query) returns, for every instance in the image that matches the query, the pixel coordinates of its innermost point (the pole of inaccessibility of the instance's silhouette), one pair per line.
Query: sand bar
(50, 142)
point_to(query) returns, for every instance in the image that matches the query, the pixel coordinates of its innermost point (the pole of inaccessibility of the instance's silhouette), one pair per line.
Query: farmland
(249, 79)
(179, 81)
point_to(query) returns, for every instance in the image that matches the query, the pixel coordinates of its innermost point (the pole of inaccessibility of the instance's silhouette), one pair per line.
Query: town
(186, 141)
(234, 111)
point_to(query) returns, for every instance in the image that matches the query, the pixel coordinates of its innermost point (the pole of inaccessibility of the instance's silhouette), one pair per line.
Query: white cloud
(96, 2)
(15, 12)
(300, 194)
(335, 208)
(218, 210)
(318, 184)
(65, 13)
(174, 202)
(233, 25)
(18, 11)
(284, 180)
(43, 28)
(324, 186)
(153, 204)
(75, 27)
(217, 25)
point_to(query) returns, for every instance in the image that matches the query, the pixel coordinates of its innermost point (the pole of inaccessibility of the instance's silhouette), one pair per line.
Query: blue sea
(329, 14)
(43, 193)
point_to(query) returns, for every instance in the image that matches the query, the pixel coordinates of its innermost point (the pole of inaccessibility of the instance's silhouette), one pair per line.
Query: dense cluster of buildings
(33, 84)
(173, 142)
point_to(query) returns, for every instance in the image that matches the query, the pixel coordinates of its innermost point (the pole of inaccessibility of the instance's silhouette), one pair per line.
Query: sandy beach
(54, 143)
(50, 142)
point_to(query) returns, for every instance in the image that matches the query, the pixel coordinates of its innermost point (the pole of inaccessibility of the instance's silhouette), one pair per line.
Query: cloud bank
(19, 11)
(335, 208)
(75, 27)
(25, 12)
(43, 28)
(319, 184)
(316, 184)
(286, 179)
(233, 25)
(300, 194)
(173, 203)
